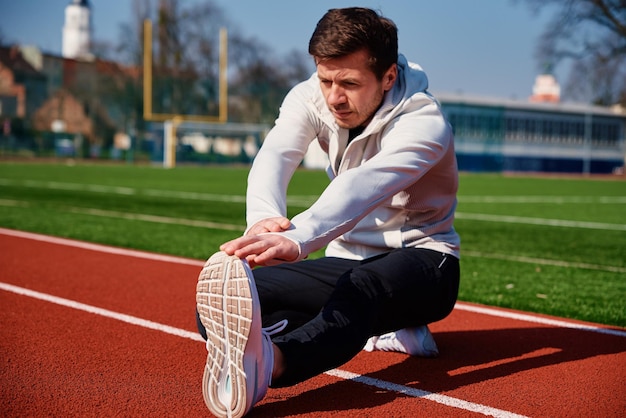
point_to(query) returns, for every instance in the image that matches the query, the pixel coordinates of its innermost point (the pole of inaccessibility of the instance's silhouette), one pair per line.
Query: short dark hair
(341, 32)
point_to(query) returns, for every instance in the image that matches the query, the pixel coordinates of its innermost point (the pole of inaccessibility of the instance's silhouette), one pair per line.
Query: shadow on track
(466, 358)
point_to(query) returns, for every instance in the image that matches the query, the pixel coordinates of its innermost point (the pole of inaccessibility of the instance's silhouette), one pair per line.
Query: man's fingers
(277, 224)
(262, 250)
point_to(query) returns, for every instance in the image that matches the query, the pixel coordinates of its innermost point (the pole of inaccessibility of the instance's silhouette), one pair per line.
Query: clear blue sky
(474, 47)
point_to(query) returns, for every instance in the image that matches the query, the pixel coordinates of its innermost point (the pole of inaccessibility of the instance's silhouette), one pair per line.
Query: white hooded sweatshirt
(393, 186)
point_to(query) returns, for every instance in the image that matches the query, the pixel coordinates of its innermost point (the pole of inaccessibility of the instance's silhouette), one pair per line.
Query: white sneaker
(416, 341)
(240, 357)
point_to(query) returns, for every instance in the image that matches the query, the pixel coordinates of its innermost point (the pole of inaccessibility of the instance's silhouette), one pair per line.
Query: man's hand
(262, 250)
(277, 224)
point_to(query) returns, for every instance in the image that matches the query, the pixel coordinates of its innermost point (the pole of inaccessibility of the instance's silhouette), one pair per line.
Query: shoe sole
(225, 306)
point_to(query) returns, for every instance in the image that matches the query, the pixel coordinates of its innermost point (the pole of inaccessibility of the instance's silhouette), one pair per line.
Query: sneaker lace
(275, 329)
(268, 351)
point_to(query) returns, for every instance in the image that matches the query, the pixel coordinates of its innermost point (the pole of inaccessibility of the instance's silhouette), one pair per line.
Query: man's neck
(354, 132)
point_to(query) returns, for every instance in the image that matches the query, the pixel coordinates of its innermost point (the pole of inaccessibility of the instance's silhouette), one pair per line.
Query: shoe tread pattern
(224, 304)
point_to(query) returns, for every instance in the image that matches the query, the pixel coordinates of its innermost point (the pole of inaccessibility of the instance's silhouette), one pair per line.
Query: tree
(186, 62)
(261, 79)
(592, 35)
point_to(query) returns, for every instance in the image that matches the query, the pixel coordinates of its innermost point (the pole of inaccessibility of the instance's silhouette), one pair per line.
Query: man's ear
(390, 77)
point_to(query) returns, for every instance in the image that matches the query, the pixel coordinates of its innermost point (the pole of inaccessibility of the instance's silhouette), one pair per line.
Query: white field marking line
(209, 197)
(161, 219)
(303, 201)
(68, 186)
(458, 215)
(545, 262)
(214, 225)
(342, 374)
(296, 200)
(537, 319)
(539, 221)
(230, 227)
(307, 200)
(418, 393)
(136, 216)
(193, 195)
(180, 260)
(157, 219)
(14, 203)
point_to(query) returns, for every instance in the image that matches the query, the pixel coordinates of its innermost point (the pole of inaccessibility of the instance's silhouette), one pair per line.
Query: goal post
(149, 115)
(172, 120)
(178, 141)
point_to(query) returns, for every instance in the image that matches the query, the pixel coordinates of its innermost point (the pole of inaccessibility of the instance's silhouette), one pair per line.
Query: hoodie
(393, 186)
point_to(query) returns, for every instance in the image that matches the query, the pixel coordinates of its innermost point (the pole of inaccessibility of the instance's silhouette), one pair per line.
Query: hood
(411, 80)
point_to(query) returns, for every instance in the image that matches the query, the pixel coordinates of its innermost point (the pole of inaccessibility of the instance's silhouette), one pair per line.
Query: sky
(471, 47)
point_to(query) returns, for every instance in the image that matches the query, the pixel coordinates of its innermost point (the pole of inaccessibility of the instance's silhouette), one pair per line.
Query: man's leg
(239, 364)
(240, 358)
(404, 288)
(295, 292)
(298, 291)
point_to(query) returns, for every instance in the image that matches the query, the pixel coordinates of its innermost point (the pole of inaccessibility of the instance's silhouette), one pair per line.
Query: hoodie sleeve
(282, 152)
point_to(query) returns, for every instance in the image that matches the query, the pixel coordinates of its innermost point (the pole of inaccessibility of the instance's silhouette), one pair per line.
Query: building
(509, 135)
(45, 96)
(22, 86)
(497, 135)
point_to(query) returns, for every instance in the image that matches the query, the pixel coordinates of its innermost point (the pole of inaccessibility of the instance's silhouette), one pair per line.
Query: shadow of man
(538, 361)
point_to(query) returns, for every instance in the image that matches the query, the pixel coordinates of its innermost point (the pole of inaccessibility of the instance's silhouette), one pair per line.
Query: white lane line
(101, 248)
(342, 374)
(180, 260)
(418, 393)
(129, 319)
(152, 256)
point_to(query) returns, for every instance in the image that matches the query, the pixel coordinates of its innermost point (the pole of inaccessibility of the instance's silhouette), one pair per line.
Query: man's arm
(282, 152)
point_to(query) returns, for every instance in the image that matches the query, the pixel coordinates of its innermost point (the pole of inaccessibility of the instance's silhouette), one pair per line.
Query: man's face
(352, 91)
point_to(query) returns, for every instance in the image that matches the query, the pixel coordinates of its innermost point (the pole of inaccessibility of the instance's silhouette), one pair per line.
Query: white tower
(77, 30)
(546, 89)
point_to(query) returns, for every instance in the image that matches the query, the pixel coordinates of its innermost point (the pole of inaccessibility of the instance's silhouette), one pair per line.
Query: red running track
(89, 330)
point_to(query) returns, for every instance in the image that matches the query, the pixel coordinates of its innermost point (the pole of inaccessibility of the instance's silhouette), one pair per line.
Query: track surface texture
(89, 330)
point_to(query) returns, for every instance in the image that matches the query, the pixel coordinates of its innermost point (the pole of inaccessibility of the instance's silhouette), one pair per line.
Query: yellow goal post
(171, 121)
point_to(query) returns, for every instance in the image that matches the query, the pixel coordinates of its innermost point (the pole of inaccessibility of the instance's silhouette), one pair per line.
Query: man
(386, 219)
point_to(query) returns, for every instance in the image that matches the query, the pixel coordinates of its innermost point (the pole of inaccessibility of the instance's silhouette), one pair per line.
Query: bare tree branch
(592, 35)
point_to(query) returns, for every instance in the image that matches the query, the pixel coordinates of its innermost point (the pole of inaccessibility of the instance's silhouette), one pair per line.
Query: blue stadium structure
(510, 135)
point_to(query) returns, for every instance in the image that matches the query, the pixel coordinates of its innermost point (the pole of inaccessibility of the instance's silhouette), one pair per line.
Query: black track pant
(334, 305)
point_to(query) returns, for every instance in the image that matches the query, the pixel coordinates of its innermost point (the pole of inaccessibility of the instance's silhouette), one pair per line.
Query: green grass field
(547, 245)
